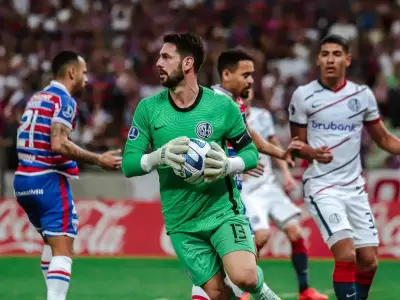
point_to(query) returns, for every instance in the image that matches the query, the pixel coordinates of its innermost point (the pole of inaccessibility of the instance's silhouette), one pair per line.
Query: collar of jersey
(189, 108)
(221, 89)
(59, 85)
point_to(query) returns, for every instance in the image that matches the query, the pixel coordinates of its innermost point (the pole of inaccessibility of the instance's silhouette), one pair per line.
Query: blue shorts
(47, 200)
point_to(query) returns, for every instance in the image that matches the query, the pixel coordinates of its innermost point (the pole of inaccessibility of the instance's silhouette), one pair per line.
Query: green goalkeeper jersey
(212, 117)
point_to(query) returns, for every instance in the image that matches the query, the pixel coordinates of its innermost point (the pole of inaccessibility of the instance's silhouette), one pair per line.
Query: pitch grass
(151, 279)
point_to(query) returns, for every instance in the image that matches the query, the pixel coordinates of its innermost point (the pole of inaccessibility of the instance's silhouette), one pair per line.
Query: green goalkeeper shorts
(200, 253)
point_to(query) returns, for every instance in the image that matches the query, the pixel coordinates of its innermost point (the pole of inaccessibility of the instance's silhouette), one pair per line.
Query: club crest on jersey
(335, 218)
(204, 130)
(68, 111)
(133, 133)
(354, 104)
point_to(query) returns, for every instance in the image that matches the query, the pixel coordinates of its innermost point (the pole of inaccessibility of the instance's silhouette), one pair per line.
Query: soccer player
(264, 198)
(46, 160)
(328, 115)
(205, 221)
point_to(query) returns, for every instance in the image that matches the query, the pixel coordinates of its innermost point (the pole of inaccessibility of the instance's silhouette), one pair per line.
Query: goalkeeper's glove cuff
(149, 161)
(235, 165)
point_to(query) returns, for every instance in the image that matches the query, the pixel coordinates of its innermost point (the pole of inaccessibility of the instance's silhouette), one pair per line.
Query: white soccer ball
(193, 169)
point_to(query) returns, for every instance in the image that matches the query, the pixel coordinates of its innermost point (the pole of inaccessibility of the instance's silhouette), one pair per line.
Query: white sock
(45, 260)
(236, 290)
(265, 294)
(58, 277)
(199, 294)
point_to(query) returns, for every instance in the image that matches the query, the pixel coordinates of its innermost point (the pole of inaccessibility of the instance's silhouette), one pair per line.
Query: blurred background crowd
(120, 40)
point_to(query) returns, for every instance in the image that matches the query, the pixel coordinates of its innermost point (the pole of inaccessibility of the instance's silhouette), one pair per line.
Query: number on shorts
(30, 117)
(238, 232)
(371, 220)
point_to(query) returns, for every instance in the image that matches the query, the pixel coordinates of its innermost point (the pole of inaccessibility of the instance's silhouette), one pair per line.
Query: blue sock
(300, 263)
(344, 280)
(363, 283)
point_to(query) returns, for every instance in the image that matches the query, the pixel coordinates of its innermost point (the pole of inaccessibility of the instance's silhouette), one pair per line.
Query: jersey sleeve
(235, 121)
(267, 124)
(372, 112)
(297, 110)
(64, 111)
(137, 142)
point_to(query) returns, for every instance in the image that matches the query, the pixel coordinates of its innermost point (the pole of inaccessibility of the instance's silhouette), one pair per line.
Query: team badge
(292, 109)
(68, 111)
(133, 133)
(334, 218)
(354, 104)
(204, 130)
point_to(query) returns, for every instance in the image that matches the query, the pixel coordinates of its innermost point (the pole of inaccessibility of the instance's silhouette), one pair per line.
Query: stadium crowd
(121, 40)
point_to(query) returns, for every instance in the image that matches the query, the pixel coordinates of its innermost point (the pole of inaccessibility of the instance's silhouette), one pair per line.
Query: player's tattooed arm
(61, 144)
(382, 137)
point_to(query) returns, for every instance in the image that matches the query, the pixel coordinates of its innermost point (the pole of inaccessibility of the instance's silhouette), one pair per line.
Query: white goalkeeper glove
(167, 155)
(218, 165)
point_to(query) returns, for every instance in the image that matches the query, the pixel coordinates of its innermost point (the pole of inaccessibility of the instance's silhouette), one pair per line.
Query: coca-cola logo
(389, 230)
(99, 229)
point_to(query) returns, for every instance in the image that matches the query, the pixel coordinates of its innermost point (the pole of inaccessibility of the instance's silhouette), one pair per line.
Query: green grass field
(151, 279)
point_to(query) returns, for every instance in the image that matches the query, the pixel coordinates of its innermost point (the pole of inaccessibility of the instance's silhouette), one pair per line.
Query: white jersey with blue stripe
(53, 104)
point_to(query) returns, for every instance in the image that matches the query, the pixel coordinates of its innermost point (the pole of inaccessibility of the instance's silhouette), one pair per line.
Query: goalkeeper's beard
(174, 79)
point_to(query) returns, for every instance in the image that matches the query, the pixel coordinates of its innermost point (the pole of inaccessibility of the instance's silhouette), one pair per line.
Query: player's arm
(61, 128)
(135, 161)
(217, 164)
(61, 144)
(266, 147)
(377, 129)
(298, 128)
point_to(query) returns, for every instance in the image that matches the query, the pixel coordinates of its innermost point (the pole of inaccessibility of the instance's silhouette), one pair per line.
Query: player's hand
(257, 172)
(171, 153)
(295, 145)
(110, 160)
(323, 155)
(216, 163)
(289, 183)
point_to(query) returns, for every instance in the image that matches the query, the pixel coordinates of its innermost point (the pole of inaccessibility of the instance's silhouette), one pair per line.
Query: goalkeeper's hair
(61, 60)
(230, 59)
(188, 44)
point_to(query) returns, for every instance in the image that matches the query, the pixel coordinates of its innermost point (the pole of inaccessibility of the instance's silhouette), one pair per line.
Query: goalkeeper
(205, 221)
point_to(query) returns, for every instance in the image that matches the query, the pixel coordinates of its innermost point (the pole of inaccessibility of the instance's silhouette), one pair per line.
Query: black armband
(240, 141)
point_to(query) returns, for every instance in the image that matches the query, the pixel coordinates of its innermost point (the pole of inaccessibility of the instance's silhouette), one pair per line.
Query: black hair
(188, 44)
(229, 59)
(62, 59)
(335, 39)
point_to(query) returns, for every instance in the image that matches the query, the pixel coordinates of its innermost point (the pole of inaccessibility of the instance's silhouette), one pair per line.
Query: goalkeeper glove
(218, 165)
(167, 155)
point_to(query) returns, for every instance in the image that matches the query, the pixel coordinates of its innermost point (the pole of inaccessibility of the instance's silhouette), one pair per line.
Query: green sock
(262, 291)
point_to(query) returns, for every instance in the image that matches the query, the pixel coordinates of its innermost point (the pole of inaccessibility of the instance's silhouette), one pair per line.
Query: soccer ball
(193, 169)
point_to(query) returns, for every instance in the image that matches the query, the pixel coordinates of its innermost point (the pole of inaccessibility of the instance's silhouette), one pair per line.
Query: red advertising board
(137, 229)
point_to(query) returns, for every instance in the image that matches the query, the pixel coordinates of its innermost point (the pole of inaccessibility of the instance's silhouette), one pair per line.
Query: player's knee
(261, 238)
(61, 246)
(293, 231)
(343, 250)
(214, 292)
(247, 279)
(367, 262)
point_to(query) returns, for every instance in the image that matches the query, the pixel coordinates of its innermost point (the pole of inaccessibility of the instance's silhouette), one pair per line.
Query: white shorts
(344, 211)
(268, 201)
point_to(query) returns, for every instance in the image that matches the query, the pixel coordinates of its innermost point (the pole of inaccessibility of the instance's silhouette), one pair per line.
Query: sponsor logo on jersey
(334, 126)
(354, 104)
(68, 111)
(204, 130)
(133, 133)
